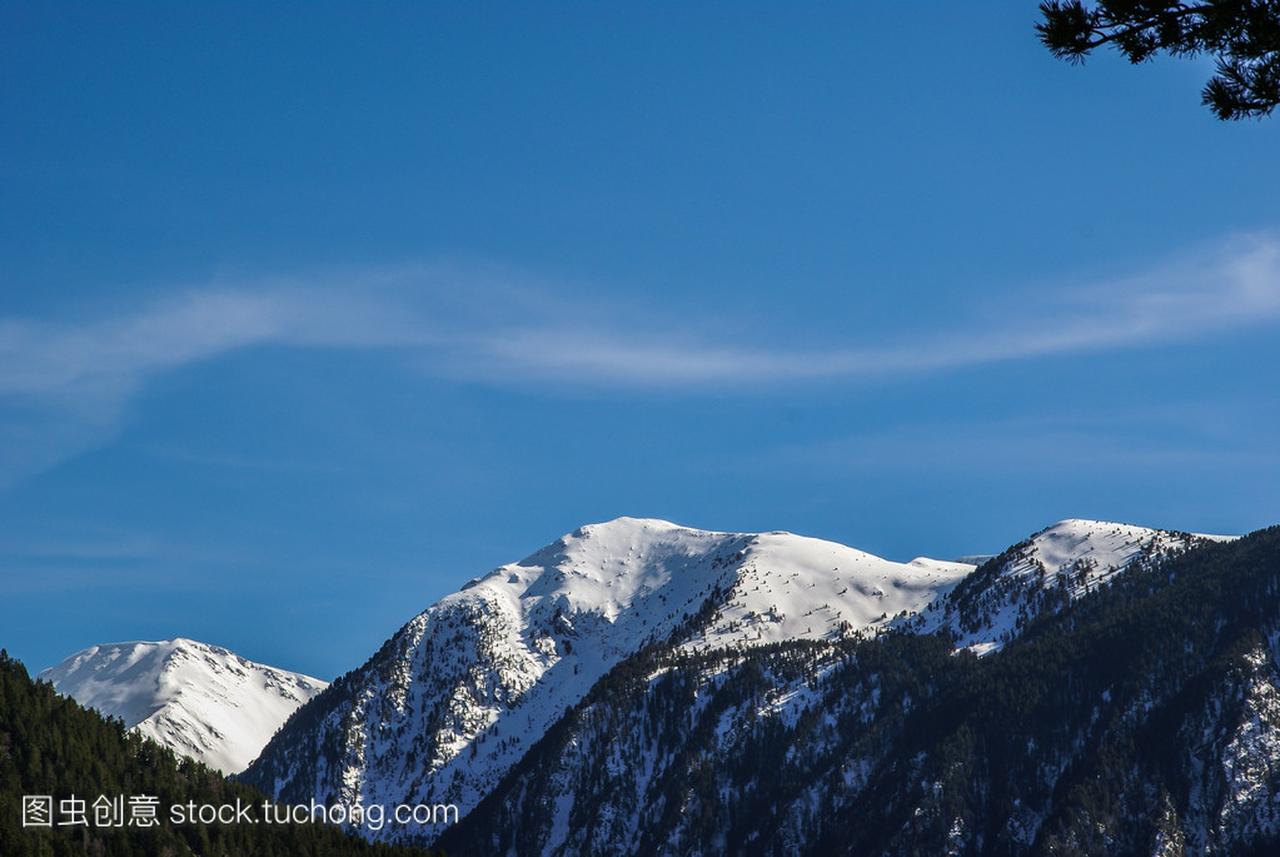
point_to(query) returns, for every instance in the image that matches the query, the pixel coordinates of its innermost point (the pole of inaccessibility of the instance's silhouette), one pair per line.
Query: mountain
(1137, 718)
(642, 687)
(51, 746)
(1050, 569)
(200, 700)
(455, 700)
(457, 696)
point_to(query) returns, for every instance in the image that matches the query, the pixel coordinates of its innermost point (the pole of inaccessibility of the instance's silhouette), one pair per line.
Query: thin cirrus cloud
(65, 385)
(1233, 284)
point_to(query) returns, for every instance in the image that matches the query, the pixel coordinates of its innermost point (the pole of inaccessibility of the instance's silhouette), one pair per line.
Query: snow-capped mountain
(200, 700)
(638, 686)
(458, 694)
(1052, 568)
(1143, 720)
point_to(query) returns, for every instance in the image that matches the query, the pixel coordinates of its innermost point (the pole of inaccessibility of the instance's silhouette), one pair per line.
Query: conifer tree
(1243, 35)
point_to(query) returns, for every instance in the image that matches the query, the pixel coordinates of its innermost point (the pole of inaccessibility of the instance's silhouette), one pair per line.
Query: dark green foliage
(1104, 696)
(1244, 36)
(49, 745)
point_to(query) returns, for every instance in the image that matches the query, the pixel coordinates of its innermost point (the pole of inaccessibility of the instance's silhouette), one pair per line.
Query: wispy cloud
(1230, 285)
(65, 383)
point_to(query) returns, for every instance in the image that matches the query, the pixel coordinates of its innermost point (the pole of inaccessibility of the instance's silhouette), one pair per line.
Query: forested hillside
(49, 745)
(1144, 719)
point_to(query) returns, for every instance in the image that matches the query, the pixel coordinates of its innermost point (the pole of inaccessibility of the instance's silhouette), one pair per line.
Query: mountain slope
(1047, 571)
(200, 700)
(50, 745)
(458, 695)
(1143, 720)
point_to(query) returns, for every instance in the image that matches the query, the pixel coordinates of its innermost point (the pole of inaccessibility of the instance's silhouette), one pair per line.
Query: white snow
(494, 665)
(794, 587)
(1101, 548)
(460, 693)
(200, 700)
(643, 576)
(1075, 555)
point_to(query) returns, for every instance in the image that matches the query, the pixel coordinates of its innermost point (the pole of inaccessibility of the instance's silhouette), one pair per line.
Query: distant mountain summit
(200, 700)
(458, 694)
(63, 755)
(1047, 571)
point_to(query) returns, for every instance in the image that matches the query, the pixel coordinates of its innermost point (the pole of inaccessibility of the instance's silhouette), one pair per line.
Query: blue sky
(310, 313)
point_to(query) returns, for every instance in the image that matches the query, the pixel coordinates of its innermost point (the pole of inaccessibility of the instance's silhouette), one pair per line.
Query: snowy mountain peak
(1047, 571)
(201, 700)
(646, 577)
(627, 525)
(606, 568)
(458, 695)
(1094, 550)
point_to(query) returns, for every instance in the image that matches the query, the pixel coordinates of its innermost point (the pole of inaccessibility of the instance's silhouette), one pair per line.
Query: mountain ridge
(459, 694)
(198, 699)
(456, 697)
(1144, 720)
(1046, 571)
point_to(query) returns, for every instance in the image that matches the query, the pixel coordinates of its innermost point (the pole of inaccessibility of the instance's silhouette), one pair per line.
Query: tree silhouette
(1244, 36)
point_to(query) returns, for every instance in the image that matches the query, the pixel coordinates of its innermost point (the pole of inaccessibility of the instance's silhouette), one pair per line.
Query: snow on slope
(458, 695)
(200, 700)
(790, 587)
(1050, 569)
